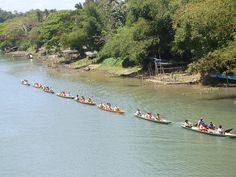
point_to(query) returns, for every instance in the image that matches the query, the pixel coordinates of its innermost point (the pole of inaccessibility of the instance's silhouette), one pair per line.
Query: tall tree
(203, 26)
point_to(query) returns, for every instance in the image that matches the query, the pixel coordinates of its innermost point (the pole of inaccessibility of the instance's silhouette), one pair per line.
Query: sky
(25, 5)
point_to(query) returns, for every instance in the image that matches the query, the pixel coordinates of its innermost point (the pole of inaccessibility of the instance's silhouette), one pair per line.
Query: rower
(211, 126)
(148, 115)
(220, 130)
(77, 97)
(24, 81)
(187, 124)
(82, 98)
(200, 122)
(102, 105)
(203, 127)
(109, 106)
(158, 117)
(138, 113)
(89, 100)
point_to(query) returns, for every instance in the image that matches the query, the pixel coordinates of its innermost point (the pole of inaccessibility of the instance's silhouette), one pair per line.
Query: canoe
(213, 133)
(23, 83)
(86, 102)
(50, 91)
(119, 112)
(162, 121)
(68, 97)
(36, 86)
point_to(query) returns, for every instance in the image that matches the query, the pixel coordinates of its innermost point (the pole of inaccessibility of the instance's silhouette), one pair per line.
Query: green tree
(222, 60)
(202, 27)
(78, 6)
(86, 33)
(55, 25)
(5, 15)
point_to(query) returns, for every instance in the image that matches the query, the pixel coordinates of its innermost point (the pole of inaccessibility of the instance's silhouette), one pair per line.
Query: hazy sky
(25, 5)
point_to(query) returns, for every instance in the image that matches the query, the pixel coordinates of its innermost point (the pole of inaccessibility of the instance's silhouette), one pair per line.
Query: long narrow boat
(213, 133)
(49, 91)
(162, 121)
(111, 110)
(35, 85)
(25, 83)
(86, 102)
(68, 97)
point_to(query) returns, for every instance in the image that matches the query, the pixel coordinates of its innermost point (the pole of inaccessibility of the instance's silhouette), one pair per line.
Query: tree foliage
(86, 31)
(201, 32)
(55, 25)
(5, 15)
(222, 60)
(201, 27)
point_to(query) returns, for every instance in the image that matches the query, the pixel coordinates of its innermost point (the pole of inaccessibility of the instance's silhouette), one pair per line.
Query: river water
(42, 135)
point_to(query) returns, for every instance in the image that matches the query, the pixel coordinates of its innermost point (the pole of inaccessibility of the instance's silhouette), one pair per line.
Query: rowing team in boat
(38, 85)
(48, 89)
(25, 82)
(83, 100)
(45, 88)
(148, 115)
(108, 107)
(64, 94)
(203, 127)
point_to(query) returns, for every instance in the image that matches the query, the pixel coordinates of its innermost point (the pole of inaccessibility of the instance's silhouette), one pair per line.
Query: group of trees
(4, 15)
(200, 32)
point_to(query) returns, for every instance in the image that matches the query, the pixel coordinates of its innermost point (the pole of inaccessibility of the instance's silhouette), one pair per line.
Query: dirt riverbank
(111, 67)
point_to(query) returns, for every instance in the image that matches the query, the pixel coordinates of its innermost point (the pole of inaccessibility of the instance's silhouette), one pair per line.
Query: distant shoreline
(163, 79)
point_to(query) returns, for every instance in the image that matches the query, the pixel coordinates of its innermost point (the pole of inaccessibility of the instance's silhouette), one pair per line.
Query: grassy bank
(110, 65)
(114, 66)
(81, 63)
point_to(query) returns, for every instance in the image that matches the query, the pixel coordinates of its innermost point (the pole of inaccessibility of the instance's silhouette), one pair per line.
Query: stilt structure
(159, 69)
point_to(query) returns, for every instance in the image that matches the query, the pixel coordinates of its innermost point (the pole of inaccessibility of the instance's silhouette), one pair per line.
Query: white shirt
(187, 124)
(220, 131)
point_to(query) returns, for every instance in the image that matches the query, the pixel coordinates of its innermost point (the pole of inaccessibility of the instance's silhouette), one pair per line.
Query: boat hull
(24, 83)
(153, 120)
(118, 112)
(88, 103)
(38, 87)
(195, 129)
(52, 92)
(67, 97)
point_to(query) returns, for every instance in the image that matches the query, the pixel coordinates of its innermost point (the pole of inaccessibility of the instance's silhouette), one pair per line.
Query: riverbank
(18, 54)
(112, 66)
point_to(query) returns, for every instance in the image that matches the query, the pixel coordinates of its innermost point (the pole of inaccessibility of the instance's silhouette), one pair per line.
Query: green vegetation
(4, 15)
(127, 33)
(81, 63)
(115, 66)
